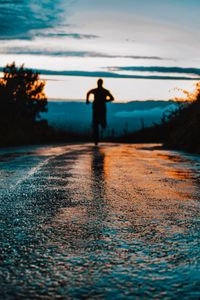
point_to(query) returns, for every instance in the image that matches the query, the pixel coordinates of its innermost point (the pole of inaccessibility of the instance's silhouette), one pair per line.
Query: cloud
(144, 57)
(108, 74)
(146, 113)
(63, 53)
(152, 69)
(22, 18)
(114, 75)
(111, 75)
(78, 36)
(49, 52)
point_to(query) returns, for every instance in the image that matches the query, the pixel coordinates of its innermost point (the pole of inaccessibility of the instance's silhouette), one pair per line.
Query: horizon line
(115, 101)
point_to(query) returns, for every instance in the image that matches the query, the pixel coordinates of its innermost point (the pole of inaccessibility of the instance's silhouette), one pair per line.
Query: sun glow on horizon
(65, 87)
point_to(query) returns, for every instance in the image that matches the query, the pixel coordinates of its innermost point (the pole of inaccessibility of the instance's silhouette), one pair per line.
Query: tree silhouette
(22, 99)
(22, 96)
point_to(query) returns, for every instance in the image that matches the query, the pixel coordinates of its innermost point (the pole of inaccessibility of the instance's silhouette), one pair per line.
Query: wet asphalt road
(108, 222)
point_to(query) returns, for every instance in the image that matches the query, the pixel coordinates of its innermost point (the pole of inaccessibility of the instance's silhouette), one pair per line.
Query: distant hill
(76, 116)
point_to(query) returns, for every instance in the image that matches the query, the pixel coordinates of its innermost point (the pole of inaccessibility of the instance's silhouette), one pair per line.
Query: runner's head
(100, 82)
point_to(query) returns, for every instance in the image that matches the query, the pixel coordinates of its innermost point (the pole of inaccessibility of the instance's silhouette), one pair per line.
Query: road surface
(109, 222)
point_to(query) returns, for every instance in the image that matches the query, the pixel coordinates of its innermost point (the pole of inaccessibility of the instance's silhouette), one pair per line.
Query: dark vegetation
(179, 129)
(184, 125)
(22, 100)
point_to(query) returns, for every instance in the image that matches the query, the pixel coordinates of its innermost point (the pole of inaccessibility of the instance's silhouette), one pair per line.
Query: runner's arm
(88, 96)
(111, 98)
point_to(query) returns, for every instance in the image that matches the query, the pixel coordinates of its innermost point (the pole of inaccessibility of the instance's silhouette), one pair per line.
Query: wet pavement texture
(109, 222)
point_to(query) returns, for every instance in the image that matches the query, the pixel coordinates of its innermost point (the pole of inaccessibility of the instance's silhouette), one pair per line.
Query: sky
(143, 49)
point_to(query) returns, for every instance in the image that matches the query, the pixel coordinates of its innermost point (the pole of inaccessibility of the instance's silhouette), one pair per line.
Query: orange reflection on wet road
(116, 221)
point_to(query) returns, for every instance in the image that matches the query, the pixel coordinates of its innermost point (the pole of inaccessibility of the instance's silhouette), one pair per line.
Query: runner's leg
(96, 132)
(95, 128)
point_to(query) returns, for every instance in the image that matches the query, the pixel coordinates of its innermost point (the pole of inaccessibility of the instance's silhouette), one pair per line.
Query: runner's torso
(100, 95)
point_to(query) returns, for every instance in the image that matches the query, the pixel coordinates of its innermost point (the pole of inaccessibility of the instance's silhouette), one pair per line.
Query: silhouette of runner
(101, 96)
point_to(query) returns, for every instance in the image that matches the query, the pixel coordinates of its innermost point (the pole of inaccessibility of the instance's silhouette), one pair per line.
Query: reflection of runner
(101, 96)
